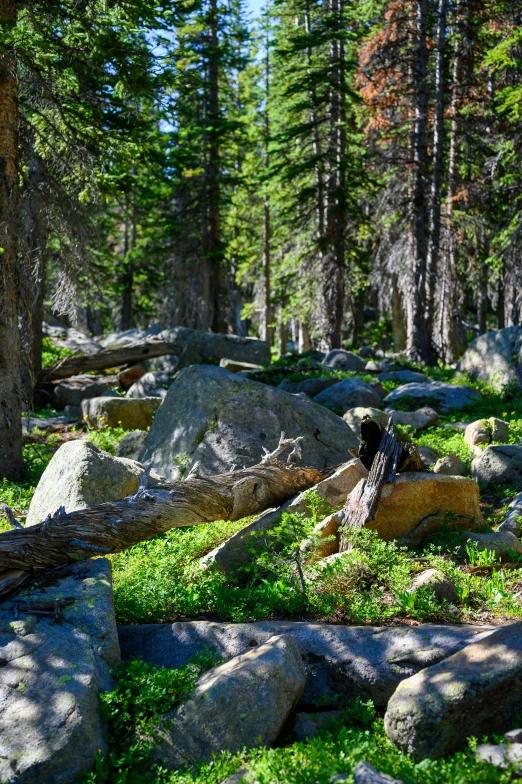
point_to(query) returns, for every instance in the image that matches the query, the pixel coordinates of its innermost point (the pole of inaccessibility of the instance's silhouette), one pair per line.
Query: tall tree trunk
(11, 459)
(268, 316)
(33, 276)
(213, 251)
(129, 245)
(438, 155)
(451, 337)
(333, 257)
(418, 339)
(501, 298)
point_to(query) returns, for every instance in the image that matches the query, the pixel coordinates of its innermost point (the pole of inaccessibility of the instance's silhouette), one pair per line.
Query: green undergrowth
(143, 692)
(162, 580)
(107, 438)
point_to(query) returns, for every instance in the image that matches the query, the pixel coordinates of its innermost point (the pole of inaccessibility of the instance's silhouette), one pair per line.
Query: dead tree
(382, 452)
(152, 510)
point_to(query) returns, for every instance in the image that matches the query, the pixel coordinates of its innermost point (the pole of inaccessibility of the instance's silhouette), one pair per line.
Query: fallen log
(191, 345)
(152, 510)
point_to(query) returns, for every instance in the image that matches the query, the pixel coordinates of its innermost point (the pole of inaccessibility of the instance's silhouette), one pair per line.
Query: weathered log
(362, 503)
(112, 527)
(193, 347)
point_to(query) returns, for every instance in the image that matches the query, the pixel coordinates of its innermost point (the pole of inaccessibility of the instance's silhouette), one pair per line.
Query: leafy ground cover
(143, 691)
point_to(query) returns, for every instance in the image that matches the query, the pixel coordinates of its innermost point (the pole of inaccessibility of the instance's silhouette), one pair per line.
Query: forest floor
(162, 581)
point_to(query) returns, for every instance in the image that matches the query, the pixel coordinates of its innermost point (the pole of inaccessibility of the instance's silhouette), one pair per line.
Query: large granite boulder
(495, 357)
(240, 549)
(68, 337)
(340, 359)
(132, 444)
(445, 396)
(421, 419)
(513, 520)
(349, 393)
(198, 347)
(502, 543)
(417, 504)
(213, 417)
(475, 692)
(484, 431)
(79, 476)
(402, 376)
(127, 412)
(242, 703)
(341, 662)
(71, 391)
(52, 674)
(499, 465)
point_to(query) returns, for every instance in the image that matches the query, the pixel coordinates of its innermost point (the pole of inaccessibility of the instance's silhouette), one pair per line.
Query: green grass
(143, 692)
(52, 354)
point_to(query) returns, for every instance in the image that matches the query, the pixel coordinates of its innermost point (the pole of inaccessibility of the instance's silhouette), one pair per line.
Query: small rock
(236, 778)
(72, 391)
(378, 366)
(499, 542)
(513, 736)
(147, 386)
(42, 423)
(349, 393)
(429, 455)
(475, 692)
(450, 465)
(339, 359)
(128, 413)
(308, 725)
(402, 376)
(131, 444)
(125, 338)
(484, 431)
(501, 756)
(365, 351)
(442, 586)
(309, 386)
(364, 773)
(499, 464)
(235, 366)
(243, 703)
(71, 338)
(378, 388)
(355, 416)
(73, 413)
(417, 420)
(130, 375)
(447, 396)
(79, 476)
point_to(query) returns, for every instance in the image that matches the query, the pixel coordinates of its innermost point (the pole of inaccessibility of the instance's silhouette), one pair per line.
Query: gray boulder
(242, 703)
(477, 691)
(402, 376)
(121, 339)
(498, 542)
(341, 662)
(446, 396)
(502, 756)
(148, 385)
(499, 465)
(349, 393)
(79, 476)
(132, 444)
(310, 386)
(340, 359)
(513, 736)
(421, 419)
(429, 455)
(72, 391)
(213, 417)
(240, 549)
(68, 337)
(29, 423)
(495, 357)
(365, 773)
(484, 431)
(513, 519)
(52, 675)
(128, 413)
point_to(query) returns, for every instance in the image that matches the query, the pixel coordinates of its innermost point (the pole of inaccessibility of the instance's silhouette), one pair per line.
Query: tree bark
(11, 459)
(418, 339)
(268, 316)
(438, 155)
(112, 527)
(129, 243)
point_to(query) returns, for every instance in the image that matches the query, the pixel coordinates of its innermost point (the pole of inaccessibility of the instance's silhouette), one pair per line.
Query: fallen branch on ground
(109, 528)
